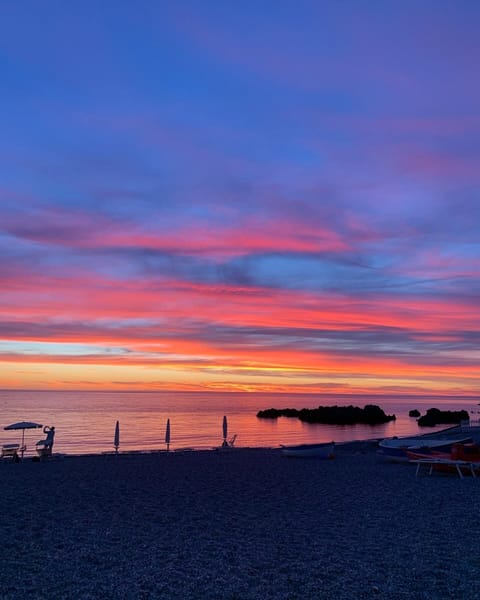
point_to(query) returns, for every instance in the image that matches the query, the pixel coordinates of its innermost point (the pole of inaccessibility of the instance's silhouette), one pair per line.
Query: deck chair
(11, 451)
(228, 443)
(44, 447)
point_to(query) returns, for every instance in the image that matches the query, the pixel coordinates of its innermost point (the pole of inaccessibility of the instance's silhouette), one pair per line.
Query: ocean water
(85, 420)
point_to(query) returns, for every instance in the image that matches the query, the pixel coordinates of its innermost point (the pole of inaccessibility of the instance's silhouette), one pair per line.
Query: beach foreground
(241, 524)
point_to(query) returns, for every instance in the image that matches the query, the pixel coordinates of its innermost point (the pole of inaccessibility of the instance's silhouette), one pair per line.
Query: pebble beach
(244, 524)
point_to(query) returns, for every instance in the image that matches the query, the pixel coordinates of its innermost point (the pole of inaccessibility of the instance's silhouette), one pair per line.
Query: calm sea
(85, 421)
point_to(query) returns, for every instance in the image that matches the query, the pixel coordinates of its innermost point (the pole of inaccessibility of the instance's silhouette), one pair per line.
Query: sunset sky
(256, 196)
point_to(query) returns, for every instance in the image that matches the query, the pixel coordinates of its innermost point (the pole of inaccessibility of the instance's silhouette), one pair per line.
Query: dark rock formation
(434, 416)
(334, 415)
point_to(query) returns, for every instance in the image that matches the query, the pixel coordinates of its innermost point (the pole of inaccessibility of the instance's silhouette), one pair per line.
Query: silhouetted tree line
(371, 414)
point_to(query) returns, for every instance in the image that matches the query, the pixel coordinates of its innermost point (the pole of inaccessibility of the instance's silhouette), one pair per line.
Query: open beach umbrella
(167, 434)
(22, 425)
(116, 437)
(225, 431)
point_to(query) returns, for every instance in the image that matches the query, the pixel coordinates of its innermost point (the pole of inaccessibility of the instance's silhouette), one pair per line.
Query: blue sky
(222, 195)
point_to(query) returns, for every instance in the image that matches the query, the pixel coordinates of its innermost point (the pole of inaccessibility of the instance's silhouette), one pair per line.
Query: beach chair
(461, 467)
(227, 444)
(44, 447)
(12, 451)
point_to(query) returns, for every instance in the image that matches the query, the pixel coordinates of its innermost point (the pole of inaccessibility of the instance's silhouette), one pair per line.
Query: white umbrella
(225, 431)
(167, 435)
(22, 425)
(116, 437)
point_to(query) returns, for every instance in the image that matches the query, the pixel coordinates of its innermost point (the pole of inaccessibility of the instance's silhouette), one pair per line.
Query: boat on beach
(464, 459)
(323, 450)
(467, 452)
(395, 449)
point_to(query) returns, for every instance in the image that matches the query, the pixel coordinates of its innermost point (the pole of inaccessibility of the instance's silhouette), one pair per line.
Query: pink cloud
(82, 230)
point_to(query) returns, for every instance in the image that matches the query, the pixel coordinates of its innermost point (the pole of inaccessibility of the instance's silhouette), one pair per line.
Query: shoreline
(433, 432)
(352, 445)
(245, 524)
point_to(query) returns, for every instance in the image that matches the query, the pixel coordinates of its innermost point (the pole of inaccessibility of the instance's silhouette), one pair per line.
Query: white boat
(325, 450)
(395, 449)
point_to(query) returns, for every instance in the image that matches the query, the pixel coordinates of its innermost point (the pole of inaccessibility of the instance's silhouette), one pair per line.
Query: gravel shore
(240, 525)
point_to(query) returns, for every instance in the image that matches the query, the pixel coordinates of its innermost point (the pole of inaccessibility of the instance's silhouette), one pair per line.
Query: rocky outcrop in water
(435, 416)
(371, 414)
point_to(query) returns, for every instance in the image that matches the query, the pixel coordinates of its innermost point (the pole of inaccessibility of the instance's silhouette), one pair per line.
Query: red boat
(469, 453)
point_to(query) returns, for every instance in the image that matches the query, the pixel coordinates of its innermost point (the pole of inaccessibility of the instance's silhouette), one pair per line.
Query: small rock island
(435, 416)
(371, 414)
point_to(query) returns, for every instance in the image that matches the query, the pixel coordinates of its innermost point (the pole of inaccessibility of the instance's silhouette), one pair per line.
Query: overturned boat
(324, 450)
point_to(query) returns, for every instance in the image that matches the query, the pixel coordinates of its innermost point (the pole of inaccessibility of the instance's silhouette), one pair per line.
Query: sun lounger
(12, 451)
(44, 447)
(442, 464)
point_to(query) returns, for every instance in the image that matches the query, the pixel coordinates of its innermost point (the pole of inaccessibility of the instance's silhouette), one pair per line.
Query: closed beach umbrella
(167, 434)
(116, 437)
(225, 431)
(22, 425)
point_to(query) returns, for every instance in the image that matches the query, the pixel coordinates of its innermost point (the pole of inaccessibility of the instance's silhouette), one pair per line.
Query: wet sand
(244, 524)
